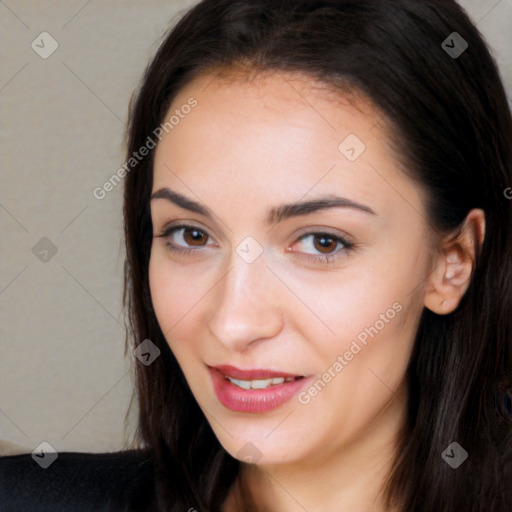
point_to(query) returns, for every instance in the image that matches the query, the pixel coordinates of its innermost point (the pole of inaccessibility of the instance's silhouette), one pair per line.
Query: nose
(246, 305)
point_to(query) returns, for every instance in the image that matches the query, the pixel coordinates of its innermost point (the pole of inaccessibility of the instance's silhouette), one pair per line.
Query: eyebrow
(276, 214)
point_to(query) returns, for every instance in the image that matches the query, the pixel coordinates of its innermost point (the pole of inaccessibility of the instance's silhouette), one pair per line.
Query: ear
(454, 263)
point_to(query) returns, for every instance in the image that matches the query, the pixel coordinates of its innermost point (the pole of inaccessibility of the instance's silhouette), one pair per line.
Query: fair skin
(247, 147)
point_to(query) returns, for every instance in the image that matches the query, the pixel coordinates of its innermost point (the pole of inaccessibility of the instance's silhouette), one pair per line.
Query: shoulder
(73, 481)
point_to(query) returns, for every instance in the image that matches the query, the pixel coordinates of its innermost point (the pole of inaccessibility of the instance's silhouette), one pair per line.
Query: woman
(319, 261)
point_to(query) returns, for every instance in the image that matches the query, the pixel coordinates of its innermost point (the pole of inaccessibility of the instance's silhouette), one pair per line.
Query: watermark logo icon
(249, 249)
(454, 45)
(352, 147)
(454, 455)
(146, 352)
(249, 453)
(45, 455)
(44, 250)
(44, 45)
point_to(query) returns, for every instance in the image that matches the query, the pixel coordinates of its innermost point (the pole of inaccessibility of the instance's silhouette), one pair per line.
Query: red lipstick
(263, 393)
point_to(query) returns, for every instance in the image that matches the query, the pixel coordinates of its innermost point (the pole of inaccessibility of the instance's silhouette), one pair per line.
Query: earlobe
(454, 265)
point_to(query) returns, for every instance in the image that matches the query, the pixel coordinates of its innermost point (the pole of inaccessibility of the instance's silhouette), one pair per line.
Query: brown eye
(193, 236)
(326, 247)
(185, 239)
(324, 243)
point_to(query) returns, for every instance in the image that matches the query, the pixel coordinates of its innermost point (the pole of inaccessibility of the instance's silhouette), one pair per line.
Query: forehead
(277, 136)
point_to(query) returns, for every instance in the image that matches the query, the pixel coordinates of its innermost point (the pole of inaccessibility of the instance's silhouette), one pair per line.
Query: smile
(254, 391)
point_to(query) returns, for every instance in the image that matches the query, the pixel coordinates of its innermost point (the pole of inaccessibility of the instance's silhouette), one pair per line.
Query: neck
(350, 478)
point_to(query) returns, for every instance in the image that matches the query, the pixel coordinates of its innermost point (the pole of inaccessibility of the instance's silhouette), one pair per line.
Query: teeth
(259, 383)
(241, 383)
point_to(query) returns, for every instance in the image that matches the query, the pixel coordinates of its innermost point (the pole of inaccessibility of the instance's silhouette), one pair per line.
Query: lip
(236, 373)
(253, 400)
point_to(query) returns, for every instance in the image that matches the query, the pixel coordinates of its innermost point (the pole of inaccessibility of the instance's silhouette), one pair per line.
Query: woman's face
(254, 292)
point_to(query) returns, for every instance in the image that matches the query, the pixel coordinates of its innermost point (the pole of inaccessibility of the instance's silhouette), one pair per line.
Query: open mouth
(256, 390)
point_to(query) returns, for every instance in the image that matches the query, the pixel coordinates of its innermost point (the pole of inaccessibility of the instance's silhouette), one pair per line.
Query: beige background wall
(63, 375)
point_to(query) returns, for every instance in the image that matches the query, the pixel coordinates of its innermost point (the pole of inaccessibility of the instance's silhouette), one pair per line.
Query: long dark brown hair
(452, 127)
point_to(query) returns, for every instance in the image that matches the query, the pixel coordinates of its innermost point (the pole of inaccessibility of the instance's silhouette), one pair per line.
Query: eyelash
(324, 258)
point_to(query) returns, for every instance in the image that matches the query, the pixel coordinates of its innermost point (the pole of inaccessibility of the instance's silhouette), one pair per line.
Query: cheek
(359, 367)
(174, 294)
(361, 304)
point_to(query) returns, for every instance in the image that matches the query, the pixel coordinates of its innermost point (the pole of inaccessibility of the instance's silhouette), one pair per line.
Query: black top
(75, 481)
